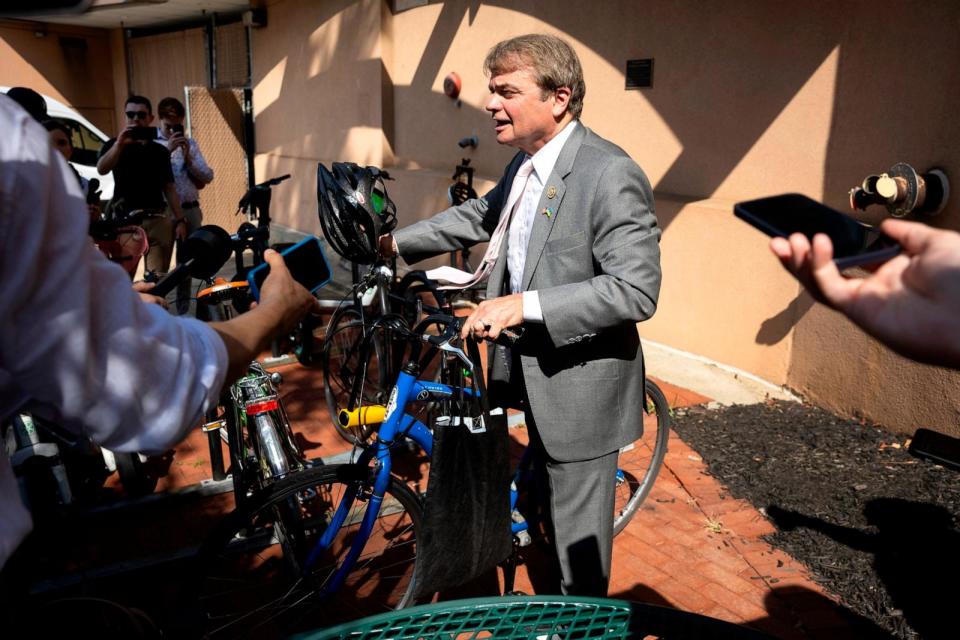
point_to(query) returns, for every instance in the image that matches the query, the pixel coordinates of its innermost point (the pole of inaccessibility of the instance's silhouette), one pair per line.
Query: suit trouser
(582, 496)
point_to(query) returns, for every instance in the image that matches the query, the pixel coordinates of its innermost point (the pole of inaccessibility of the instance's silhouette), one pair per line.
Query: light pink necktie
(459, 279)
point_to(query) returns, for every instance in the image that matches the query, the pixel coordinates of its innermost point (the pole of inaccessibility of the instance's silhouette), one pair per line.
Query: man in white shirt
(190, 174)
(78, 346)
(576, 260)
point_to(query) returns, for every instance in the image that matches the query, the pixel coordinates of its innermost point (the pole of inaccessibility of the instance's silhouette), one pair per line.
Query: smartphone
(936, 447)
(854, 243)
(144, 133)
(177, 128)
(307, 264)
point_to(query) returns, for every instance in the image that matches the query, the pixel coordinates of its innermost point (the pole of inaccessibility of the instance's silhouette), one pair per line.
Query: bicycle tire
(251, 581)
(640, 461)
(341, 363)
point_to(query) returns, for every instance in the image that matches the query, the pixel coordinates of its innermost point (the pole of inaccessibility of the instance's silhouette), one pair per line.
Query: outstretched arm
(911, 303)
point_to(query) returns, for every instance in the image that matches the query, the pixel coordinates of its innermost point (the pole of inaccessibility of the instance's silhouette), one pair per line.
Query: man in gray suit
(576, 260)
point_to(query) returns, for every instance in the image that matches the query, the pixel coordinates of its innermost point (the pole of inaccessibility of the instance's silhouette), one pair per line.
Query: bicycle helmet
(354, 209)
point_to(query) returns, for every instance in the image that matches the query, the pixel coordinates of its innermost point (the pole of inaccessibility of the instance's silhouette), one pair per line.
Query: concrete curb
(725, 384)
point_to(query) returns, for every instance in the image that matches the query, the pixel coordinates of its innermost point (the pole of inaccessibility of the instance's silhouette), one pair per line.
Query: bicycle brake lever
(457, 351)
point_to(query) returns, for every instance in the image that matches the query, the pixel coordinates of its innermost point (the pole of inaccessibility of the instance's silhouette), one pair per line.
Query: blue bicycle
(338, 542)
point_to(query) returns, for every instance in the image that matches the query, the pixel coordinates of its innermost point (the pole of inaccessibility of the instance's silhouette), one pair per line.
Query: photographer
(190, 174)
(144, 181)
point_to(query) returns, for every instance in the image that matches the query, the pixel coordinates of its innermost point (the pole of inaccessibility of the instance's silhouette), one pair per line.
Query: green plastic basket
(533, 618)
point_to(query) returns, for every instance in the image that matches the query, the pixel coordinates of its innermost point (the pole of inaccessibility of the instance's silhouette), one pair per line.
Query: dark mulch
(876, 526)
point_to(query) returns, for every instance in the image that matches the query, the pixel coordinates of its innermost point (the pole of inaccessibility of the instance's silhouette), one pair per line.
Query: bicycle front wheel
(343, 361)
(255, 582)
(640, 461)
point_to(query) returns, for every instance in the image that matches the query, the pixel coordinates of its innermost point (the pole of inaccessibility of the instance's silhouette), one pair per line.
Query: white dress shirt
(198, 168)
(78, 346)
(519, 236)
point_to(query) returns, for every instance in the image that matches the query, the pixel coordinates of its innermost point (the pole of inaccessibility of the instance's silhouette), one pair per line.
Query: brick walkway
(692, 546)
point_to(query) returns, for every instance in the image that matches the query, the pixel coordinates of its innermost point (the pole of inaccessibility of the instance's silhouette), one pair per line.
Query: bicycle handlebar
(272, 182)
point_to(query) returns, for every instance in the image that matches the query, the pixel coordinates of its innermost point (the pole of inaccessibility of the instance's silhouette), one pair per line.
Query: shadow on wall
(717, 110)
(76, 64)
(718, 98)
(776, 328)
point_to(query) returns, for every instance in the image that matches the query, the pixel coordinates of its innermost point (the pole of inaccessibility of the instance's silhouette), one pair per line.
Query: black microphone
(170, 281)
(204, 252)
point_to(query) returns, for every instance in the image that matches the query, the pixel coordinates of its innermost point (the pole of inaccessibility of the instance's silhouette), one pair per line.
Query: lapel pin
(551, 192)
(547, 211)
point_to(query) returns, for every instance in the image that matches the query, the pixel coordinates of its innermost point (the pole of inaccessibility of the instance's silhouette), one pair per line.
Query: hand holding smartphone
(307, 264)
(854, 244)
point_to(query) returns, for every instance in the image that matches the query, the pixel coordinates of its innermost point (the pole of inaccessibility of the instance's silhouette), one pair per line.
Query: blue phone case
(312, 287)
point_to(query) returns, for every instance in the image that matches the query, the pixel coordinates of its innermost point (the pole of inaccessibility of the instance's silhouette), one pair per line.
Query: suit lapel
(555, 185)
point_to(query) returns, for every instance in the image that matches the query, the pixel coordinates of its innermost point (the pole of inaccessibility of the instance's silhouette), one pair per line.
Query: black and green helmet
(354, 209)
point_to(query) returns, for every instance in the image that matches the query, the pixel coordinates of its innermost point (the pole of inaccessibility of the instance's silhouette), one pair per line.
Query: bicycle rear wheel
(254, 583)
(343, 360)
(640, 461)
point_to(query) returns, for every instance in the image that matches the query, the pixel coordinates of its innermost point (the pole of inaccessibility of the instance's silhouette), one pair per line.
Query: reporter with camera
(190, 174)
(143, 179)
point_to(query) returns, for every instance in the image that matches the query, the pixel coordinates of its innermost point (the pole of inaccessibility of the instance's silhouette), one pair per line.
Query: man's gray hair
(553, 62)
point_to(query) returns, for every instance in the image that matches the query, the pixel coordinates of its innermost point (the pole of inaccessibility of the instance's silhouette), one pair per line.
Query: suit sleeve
(455, 228)
(626, 252)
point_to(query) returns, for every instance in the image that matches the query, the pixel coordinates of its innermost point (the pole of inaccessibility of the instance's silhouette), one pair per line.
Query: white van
(87, 140)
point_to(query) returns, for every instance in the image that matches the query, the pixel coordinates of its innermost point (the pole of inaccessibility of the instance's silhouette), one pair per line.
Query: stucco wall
(749, 99)
(316, 96)
(70, 64)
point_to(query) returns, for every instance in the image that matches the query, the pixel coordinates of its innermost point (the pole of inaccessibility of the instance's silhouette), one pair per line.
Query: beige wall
(749, 99)
(163, 65)
(317, 96)
(71, 64)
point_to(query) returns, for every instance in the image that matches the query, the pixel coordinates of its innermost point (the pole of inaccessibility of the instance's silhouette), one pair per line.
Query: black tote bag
(466, 519)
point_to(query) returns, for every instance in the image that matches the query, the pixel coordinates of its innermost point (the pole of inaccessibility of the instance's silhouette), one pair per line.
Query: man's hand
(177, 141)
(283, 303)
(910, 303)
(284, 296)
(143, 289)
(388, 246)
(125, 137)
(493, 316)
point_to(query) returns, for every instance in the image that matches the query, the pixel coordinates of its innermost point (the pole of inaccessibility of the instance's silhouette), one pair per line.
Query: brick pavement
(691, 546)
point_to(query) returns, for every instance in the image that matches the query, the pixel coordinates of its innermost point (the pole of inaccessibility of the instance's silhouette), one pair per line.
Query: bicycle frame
(396, 425)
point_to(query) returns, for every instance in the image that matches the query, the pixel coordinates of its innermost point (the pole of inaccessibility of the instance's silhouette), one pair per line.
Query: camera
(143, 133)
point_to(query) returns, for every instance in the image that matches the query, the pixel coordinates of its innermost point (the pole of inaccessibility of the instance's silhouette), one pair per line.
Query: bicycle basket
(533, 618)
(354, 209)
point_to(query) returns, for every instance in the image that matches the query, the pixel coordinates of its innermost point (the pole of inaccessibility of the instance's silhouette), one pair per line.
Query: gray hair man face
(536, 88)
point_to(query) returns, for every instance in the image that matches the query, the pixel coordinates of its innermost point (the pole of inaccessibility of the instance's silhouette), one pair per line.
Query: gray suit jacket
(595, 263)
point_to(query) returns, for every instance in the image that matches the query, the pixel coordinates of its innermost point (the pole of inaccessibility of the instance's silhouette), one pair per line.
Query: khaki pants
(185, 289)
(160, 235)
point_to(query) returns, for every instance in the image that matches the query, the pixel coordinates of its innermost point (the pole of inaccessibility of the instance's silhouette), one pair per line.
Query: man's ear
(561, 102)
(150, 119)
